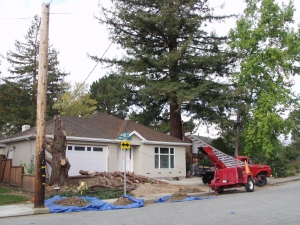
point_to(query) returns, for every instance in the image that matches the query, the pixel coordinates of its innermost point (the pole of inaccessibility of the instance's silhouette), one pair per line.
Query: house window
(79, 148)
(96, 149)
(164, 157)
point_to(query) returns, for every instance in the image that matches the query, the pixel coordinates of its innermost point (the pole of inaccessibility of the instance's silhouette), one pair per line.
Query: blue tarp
(165, 198)
(95, 204)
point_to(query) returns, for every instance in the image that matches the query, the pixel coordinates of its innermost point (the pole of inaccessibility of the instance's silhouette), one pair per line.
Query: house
(93, 145)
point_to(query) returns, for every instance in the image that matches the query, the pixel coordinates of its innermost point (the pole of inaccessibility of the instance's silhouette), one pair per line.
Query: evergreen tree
(24, 72)
(13, 107)
(171, 57)
(112, 94)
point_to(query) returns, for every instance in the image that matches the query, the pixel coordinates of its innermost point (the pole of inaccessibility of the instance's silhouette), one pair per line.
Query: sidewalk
(28, 209)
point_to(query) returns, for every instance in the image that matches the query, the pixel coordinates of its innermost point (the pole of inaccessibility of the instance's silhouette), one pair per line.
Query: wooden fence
(13, 176)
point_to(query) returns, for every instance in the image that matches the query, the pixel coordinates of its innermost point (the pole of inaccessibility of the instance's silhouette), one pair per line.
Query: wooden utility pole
(40, 175)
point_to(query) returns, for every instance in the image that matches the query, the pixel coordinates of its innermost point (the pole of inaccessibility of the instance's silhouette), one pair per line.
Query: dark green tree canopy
(171, 57)
(112, 94)
(23, 75)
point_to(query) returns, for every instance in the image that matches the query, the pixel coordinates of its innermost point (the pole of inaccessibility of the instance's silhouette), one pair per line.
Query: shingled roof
(103, 126)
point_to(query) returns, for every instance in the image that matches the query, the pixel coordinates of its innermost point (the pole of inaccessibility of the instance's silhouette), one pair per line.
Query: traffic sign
(125, 144)
(125, 136)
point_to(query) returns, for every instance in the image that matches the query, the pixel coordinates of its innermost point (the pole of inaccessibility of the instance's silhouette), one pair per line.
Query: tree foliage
(76, 102)
(268, 49)
(171, 58)
(24, 74)
(112, 94)
(13, 107)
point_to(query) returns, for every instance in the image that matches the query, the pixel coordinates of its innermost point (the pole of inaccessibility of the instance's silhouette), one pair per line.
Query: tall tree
(268, 48)
(24, 71)
(13, 107)
(76, 102)
(112, 94)
(171, 57)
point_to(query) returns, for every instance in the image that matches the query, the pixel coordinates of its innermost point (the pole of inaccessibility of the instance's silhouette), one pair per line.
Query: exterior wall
(23, 151)
(137, 160)
(146, 153)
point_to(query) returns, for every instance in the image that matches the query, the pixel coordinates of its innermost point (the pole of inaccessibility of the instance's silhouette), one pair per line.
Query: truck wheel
(250, 185)
(220, 190)
(206, 180)
(261, 180)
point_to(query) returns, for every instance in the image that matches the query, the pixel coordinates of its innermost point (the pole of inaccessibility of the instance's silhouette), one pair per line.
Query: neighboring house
(93, 145)
(2, 150)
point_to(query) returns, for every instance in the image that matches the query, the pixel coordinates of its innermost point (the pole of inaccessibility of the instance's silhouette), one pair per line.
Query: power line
(78, 89)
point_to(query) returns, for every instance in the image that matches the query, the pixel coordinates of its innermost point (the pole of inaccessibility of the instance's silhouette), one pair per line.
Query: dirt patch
(72, 201)
(178, 196)
(122, 201)
(148, 188)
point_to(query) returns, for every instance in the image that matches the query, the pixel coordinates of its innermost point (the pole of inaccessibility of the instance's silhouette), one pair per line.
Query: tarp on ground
(95, 205)
(192, 198)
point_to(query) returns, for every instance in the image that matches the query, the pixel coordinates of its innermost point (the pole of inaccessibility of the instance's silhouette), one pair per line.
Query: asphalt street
(277, 204)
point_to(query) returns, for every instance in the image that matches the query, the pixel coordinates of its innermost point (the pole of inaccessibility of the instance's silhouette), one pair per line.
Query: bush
(277, 163)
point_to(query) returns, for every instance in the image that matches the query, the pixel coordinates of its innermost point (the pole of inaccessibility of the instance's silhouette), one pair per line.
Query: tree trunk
(238, 130)
(59, 163)
(175, 108)
(175, 121)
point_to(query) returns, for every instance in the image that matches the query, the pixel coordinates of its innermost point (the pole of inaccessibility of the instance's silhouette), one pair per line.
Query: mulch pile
(122, 201)
(72, 201)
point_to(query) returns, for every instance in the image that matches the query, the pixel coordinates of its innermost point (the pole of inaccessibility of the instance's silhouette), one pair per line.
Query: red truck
(222, 161)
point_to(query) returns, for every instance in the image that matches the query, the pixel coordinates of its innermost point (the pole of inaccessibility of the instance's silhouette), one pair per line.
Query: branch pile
(114, 180)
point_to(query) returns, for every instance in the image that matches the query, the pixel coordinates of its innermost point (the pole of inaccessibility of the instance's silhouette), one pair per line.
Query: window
(164, 158)
(86, 148)
(96, 149)
(79, 148)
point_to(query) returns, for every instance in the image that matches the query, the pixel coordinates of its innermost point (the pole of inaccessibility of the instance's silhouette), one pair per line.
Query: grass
(7, 198)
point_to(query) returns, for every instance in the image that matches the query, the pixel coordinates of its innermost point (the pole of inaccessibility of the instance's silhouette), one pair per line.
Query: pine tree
(170, 55)
(24, 72)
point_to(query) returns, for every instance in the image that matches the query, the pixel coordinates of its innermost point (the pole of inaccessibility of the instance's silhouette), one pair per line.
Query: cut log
(82, 172)
(101, 185)
(108, 182)
(81, 176)
(102, 180)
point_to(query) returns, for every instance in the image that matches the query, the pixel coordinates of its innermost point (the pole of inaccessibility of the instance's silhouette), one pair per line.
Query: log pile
(112, 180)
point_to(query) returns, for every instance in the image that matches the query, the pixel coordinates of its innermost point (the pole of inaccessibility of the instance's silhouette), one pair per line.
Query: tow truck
(230, 171)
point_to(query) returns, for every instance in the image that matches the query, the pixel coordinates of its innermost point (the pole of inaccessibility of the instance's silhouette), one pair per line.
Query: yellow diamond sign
(125, 144)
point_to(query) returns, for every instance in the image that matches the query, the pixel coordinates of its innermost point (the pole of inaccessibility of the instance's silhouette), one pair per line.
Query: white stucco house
(93, 145)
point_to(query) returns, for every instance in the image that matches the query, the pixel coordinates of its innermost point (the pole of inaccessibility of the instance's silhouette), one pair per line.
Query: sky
(75, 33)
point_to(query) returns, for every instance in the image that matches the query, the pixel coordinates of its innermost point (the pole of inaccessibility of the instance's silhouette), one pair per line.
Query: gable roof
(99, 126)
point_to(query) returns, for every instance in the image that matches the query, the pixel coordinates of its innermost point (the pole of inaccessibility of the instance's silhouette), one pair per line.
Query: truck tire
(250, 185)
(261, 180)
(220, 190)
(206, 180)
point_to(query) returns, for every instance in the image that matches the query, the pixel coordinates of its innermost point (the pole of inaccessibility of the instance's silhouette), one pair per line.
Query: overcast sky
(75, 33)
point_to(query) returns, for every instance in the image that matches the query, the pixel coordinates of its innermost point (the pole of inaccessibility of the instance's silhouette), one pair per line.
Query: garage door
(88, 158)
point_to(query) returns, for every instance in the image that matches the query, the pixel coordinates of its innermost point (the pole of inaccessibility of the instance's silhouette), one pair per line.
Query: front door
(127, 155)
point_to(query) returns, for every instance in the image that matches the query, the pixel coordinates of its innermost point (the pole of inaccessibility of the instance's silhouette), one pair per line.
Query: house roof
(99, 126)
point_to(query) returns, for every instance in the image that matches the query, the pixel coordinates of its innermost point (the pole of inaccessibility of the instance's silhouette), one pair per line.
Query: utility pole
(40, 175)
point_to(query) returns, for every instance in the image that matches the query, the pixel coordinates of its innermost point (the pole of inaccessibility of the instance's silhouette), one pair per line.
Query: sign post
(125, 145)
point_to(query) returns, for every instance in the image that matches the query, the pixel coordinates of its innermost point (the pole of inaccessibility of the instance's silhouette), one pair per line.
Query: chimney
(25, 127)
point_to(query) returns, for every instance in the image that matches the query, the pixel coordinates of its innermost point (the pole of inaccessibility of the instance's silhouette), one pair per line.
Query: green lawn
(7, 198)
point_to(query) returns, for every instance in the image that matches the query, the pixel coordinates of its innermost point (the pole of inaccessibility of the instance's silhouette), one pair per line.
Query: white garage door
(88, 158)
